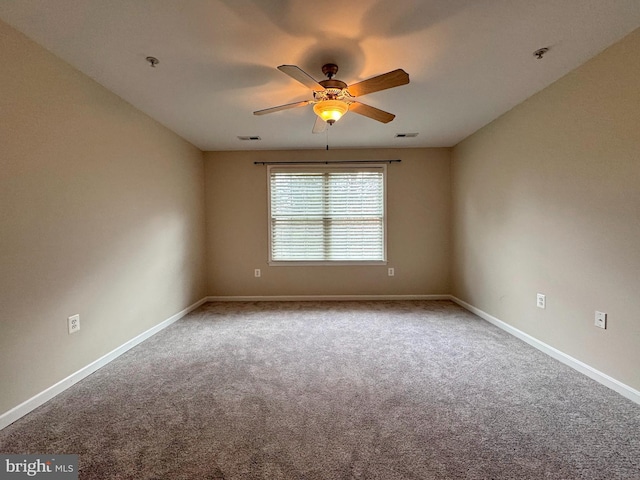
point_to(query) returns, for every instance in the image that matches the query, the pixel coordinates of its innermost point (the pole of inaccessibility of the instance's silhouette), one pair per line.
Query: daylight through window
(326, 215)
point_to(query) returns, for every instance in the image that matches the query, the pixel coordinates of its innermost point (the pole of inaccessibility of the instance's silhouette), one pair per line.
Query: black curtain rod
(327, 162)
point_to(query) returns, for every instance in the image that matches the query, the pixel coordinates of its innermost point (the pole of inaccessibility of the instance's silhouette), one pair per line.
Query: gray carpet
(336, 390)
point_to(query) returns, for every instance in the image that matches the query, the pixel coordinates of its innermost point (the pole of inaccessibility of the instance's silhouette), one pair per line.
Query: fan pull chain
(327, 130)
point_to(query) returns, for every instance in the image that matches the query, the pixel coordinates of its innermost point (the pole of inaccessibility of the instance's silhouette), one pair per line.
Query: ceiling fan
(333, 98)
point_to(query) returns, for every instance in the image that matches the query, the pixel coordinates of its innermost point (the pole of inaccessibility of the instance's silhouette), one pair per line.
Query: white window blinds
(333, 214)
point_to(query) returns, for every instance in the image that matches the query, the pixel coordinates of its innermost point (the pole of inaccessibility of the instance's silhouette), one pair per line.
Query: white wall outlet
(74, 323)
(391, 271)
(541, 301)
(601, 320)
(257, 273)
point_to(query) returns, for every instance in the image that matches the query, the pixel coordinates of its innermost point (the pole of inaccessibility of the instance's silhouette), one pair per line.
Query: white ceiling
(469, 61)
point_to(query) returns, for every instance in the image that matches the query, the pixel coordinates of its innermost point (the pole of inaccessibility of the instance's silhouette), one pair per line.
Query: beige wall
(418, 243)
(101, 214)
(547, 199)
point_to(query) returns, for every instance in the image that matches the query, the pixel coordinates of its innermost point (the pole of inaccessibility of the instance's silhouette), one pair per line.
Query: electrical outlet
(391, 271)
(257, 273)
(541, 301)
(601, 320)
(74, 323)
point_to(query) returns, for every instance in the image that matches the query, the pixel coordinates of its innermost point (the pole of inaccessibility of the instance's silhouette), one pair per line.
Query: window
(327, 214)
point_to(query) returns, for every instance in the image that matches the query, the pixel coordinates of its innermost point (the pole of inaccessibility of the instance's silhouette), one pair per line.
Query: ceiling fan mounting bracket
(329, 70)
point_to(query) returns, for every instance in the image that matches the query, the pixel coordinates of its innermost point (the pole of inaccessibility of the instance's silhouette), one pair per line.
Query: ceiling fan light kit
(332, 98)
(331, 110)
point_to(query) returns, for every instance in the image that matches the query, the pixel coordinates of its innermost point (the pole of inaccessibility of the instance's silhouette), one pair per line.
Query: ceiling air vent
(406, 135)
(249, 138)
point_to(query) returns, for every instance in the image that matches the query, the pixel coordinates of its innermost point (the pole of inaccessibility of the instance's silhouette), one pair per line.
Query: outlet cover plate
(74, 323)
(541, 301)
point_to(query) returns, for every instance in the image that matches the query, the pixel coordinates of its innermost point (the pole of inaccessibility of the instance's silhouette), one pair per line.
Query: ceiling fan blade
(371, 112)
(300, 75)
(381, 82)
(282, 107)
(320, 125)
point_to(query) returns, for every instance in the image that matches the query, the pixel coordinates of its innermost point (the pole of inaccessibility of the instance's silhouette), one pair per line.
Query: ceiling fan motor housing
(333, 84)
(333, 93)
(334, 100)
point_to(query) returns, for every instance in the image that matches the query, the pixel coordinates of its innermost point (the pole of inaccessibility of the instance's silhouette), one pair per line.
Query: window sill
(325, 263)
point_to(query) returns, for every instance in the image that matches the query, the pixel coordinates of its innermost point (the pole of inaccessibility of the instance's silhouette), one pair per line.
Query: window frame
(328, 168)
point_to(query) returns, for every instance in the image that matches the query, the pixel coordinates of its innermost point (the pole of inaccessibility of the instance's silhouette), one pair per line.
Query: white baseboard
(34, 402)
(602, 378)
(31, 404)
(322, 298)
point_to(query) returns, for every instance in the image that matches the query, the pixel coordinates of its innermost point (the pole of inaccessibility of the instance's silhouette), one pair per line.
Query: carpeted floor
(336, 390)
